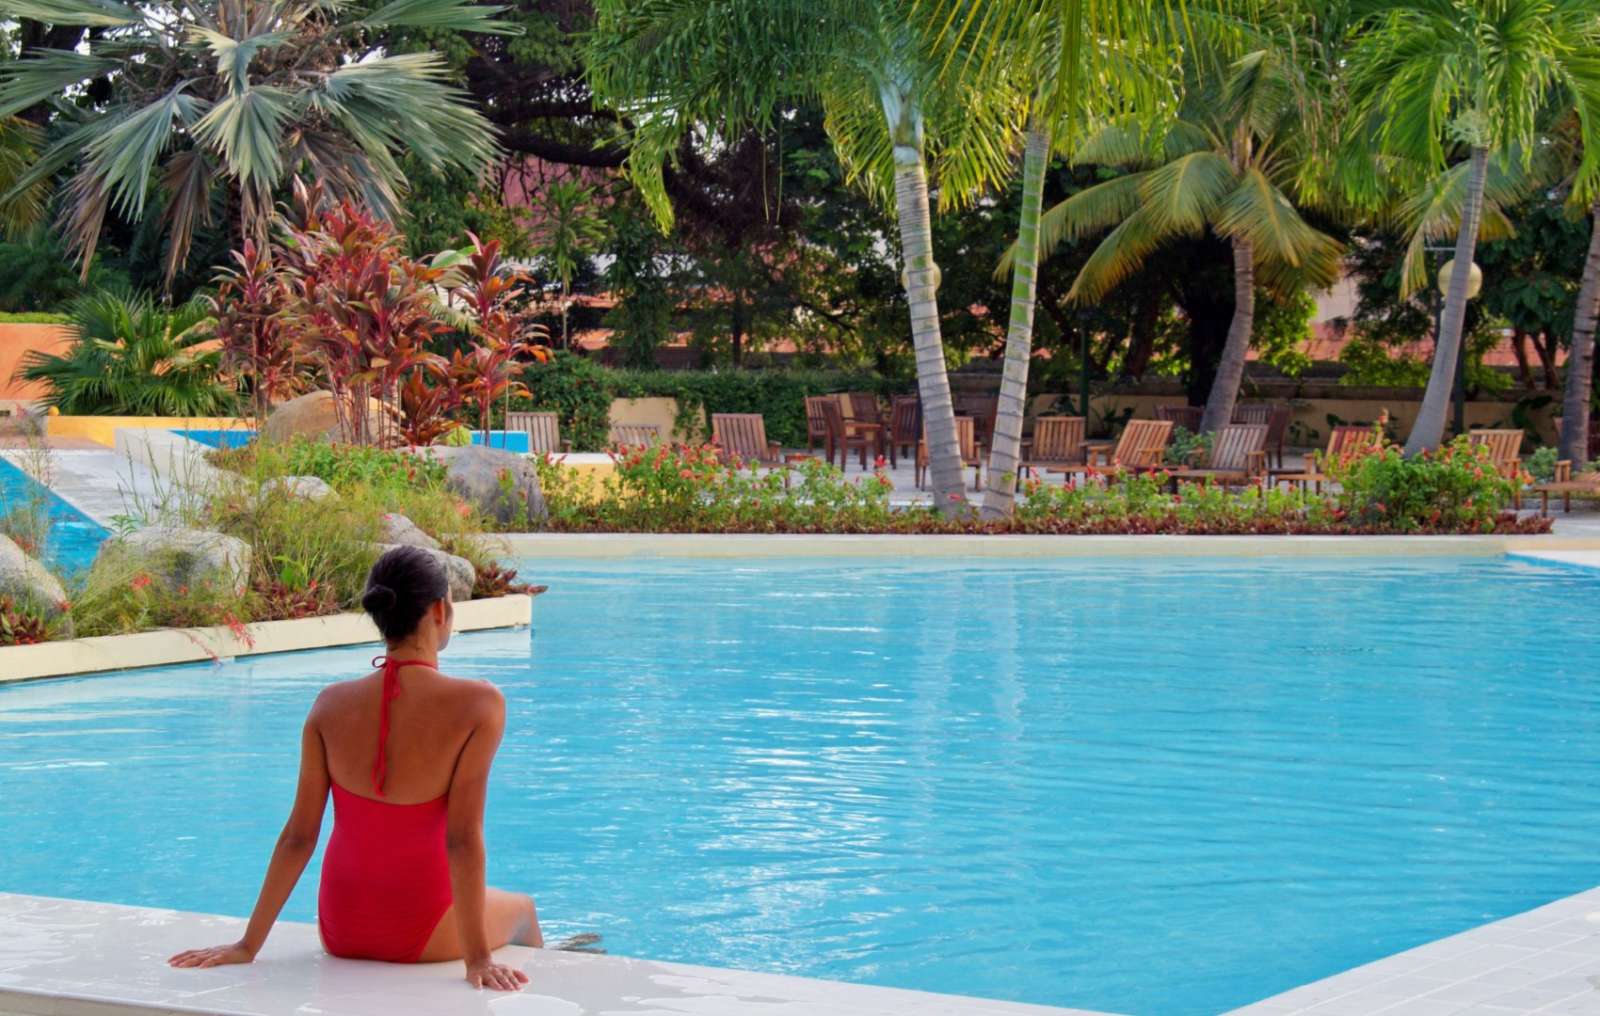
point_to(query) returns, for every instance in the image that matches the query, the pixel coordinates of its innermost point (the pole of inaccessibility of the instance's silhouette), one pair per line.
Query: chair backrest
(1143, 442)
(833, 416)
(966, 438)
(905, 422)
(626, 434)
(1349, 442)
(1505, 446)
(1058, 439)
(1232, 446)
(864, 407)
(1274, 416)
(1187, 417)
(543, 429)
(742, 435)
(816, 425)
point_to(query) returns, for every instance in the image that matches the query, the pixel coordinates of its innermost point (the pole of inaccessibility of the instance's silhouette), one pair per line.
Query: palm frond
(46, 74)
(1119, 255)
(1085, 213)
(447, 15)
(92, 13)
(1285, 245)
(1183, 195)
(246, 129)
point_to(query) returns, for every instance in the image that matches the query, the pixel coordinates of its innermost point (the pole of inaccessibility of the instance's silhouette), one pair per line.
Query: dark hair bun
(402, 585)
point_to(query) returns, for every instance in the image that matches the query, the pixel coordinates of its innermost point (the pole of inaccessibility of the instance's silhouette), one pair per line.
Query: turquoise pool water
(74, 538)
(1136, 786)
(217, 438)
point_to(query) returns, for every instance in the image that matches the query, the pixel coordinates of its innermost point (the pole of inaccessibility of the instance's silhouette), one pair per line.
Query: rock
(191, 558)
(316, 416)
(399, 530)
(475, 473)
(458, 570)
(30, 583)
(308, 488)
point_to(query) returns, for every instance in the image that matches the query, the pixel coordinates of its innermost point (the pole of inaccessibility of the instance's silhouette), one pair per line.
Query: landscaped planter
(165, 646)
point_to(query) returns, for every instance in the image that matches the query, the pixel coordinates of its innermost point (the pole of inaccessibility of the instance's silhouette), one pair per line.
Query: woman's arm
(296, 844)
(469, 787)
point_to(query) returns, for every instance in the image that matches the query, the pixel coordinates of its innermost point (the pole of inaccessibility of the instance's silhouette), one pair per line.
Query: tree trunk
(1004, 457)
(1230, 370)
(1580, 364)
(1545, 346)
(1142, 339)
(921, 279)
(1519, 347)
(1428, 431)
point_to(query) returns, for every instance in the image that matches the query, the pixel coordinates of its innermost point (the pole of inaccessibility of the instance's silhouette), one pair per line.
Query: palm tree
(1429, 75)
(1575, 400)
(570, 230)
(894, 109)
(1228, 163)
(233, 96)
(135, 357)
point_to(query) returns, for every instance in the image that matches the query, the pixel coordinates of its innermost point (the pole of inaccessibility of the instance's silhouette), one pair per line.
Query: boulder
(29, 582)
(307, 488)
(462, 575)
(501, 484)
(191, 558)
(315, 416)
(401, 531)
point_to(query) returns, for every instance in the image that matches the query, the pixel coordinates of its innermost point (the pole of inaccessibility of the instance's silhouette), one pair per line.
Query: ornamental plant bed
(697, 489)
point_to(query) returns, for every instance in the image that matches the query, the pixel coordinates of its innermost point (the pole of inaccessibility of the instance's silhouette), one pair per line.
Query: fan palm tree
(894, 110)
(1228, 162)
(236, 95)
(135, 357)
(1428, 76)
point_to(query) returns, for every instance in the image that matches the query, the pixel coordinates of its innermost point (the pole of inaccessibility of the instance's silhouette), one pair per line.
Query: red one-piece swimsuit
(386, 875)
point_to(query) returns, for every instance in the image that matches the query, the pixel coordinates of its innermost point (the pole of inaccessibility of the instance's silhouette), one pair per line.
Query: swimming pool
(217, 437)
(74, 538)
(1147, 786)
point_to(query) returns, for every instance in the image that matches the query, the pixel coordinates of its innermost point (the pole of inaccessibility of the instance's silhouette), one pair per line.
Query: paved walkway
(99, 482)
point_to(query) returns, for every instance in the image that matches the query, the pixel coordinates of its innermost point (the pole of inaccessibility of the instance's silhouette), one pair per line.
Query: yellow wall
(663, 412)
(103, 429)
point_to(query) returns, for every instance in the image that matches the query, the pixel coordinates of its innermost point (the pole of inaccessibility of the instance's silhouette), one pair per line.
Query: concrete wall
(16, 341)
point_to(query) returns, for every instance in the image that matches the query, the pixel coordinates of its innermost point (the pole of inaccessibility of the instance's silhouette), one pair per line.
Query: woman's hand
(214, 956)
(495, 976)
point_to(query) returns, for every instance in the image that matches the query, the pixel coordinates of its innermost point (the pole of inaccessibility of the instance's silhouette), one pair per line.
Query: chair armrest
(1191, 458)
(1563, 472)
(1256, 463)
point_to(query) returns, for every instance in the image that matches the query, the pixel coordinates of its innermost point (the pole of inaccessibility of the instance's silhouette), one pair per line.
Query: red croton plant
(501, 335)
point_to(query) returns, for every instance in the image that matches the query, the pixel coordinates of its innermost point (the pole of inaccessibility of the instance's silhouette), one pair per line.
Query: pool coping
(106, 654)
(714, 545)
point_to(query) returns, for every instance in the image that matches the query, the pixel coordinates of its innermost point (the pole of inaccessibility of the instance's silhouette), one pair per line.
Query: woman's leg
(508, 919)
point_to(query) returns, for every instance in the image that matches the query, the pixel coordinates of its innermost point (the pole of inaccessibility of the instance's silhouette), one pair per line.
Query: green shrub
(33, 318)
(1454, 488)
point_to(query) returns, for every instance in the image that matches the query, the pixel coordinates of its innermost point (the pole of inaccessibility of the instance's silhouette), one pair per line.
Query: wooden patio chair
(1343, 443)
(543, 430)
(1140, 449)
(1276, 418)
(1505, 450)
(1187, 417)
(816, 423)
(1238, 457)
(843, 435)
(626, 435)
(983, 409)
(743, 436)
(862, 407)
(971, 452)
(905, 427)
(1057, 442)
(1565, 484)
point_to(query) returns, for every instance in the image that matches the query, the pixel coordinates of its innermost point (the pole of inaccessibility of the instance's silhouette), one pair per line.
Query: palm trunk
(1230, 369)
(1580, 364)
(1428, 431)
(1004, 457)
(921, 280)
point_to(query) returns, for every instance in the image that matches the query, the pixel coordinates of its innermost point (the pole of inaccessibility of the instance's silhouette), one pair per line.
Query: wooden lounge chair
(1187, 417)
(1277, 420)
(543, 430)
(905, 427)
(1343, 443)
(843, 435)
(1565, 484)
(743, 436)
(1505, 447)
(862, 407)
(624, 435)
(1139, 450)
(1057, 443)
(816, 424)
(971, 452)
(1238, 457)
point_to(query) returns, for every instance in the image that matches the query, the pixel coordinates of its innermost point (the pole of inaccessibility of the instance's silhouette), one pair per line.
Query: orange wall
(15, 341)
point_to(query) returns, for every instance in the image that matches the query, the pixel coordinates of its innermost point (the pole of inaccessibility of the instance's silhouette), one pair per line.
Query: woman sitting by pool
(403, 877)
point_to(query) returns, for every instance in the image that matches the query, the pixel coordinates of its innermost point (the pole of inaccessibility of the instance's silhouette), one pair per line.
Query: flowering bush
(1454, 488)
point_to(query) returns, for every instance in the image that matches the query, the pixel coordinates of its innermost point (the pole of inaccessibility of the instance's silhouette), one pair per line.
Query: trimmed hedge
(581, 391)
(32, 318)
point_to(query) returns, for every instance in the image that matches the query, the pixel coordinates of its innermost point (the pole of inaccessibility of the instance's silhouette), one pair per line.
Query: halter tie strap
(391, 691)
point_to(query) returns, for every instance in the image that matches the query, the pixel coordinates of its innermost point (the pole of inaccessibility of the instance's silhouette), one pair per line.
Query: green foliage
(1282, 327)
(342, 467)
(37, 273)
(21, 624)
(441, 208)
(1454, 488)
(641, 321)
(1369, 362)
(1186, 449)
(33, 318)
(135, 357)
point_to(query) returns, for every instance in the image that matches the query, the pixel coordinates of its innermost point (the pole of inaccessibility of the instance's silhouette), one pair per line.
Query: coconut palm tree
(1228, 162)
(1580, 360)
(234, 96)
(897, 105)
(1428, 76)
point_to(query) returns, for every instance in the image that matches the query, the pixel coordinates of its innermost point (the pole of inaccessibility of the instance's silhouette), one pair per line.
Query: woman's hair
(402, 585)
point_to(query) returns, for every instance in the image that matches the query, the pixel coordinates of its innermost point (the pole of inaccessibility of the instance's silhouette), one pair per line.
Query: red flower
(140, 581)
(880, 462)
